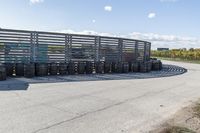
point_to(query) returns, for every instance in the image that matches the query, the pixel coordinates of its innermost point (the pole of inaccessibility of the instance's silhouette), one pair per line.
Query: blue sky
(166, 23)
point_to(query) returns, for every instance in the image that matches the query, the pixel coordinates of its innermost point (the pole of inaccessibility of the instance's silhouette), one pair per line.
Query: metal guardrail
(20, 46)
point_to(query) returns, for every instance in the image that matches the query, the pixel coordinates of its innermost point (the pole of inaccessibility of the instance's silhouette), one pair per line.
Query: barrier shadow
(167, 71)
(13, 84)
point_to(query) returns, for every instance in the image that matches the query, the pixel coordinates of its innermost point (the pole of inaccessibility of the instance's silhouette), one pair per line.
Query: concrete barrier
(99, 67)
(63, 68)
(53, 69)
(89, 67)
(81, 67)
(107, 67)
(9, 69)
(125, 68)
(2, 72)
(19, 69)
(41, 69)
(71, 68)
(156, 65)
(29, 70)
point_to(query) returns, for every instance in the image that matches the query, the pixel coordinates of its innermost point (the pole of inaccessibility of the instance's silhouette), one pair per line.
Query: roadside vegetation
(186, 120)
(176, 129)
(196, 110)
(183, 55)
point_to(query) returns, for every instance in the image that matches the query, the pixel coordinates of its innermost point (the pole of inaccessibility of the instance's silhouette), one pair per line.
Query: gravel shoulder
(186, 120)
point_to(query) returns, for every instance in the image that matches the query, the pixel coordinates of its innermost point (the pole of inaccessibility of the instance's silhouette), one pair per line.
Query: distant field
(181, 55)
(179, 60)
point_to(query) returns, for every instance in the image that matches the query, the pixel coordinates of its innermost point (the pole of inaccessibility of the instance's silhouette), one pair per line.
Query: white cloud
(157, 40)
(108, 8)
(170, 41)
(152, 15)
(93, 21)
(88, 32)
(36, 1)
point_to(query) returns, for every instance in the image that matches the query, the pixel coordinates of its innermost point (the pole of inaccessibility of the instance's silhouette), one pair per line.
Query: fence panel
(128, 50)
(109, 49)
(141, 51)
(83, 48)
(50, 47)
(18, 46)
(15, 46)
(148, 51)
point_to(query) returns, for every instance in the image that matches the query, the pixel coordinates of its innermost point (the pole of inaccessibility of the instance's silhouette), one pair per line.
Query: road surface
(105, 106)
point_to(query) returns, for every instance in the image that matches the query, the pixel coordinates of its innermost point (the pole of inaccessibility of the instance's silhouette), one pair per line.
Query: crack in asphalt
(107, 107)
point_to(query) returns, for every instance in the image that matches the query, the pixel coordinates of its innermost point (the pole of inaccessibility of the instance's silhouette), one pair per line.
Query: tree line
(184, 54)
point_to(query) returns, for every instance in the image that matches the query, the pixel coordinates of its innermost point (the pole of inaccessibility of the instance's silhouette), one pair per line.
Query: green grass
(179, 60)
(176, 129)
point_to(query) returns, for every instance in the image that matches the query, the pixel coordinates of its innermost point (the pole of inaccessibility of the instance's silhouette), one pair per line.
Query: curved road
(109, 106)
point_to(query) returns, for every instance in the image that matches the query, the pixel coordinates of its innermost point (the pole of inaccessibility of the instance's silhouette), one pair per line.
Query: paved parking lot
(129, 105)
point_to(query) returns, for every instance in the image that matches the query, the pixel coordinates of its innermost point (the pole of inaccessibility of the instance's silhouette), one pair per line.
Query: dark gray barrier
(9, 69)
(72, 68)
(99, 67)
(81, 67)
(29, 70)
(2, 72)
(107, 67)
(19, 69)
(63, 68)
(89, 67)
(53, 68)
(125, 68)
(41, 69)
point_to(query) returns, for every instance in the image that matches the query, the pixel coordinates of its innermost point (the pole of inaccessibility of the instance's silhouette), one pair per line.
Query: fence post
(33, 41)
(120, 46)
(66, 48)
(36, 47)
(145, 51)
(149, 50)
(70, 48)
(31, 47)
(136, 50)
(97, 48)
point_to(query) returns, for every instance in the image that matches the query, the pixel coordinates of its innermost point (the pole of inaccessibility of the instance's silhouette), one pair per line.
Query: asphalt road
(107, 106)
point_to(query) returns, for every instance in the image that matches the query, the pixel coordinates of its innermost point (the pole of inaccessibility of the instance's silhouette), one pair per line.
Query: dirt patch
(186, 120)
(176, 129)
